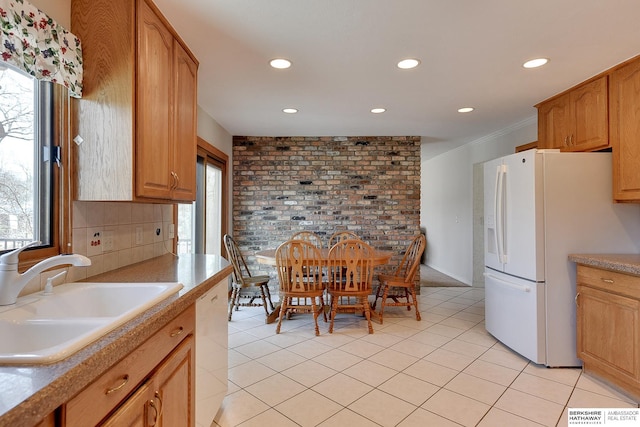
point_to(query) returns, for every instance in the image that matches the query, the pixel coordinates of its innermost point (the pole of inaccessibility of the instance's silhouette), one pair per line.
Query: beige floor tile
(431, 372)
(269, 418)
(236, 358)
(238, 407)
(281, 360)
(543, 388)
(446, 331)
(414, 324)
(401, 331)
(257, 349)
(362, 348)
(566, 376)
(284, 340)
(393, 359)
(409, 388)
(240, 338)
(309, 373)
(456, 407)
(476, 388)
(347, 417)
(457, 323)
(481, 338)
(249, 373)
(449, 359)
(530, 407)
(413, 348)
(423, 418)
(382, 408)
(333, 340)
(383, 338)
(432, 317)
(370, 372)
(430, 338)
(308, 408)
(586, 399)
(498, 418)
(310, 349)
(275, 389)
(589, 383)
(465, 348)
(337, 359)
(492, 372)
(342, 389)
(504, 358)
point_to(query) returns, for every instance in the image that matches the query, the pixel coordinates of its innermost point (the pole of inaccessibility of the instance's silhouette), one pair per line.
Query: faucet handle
(9, 261)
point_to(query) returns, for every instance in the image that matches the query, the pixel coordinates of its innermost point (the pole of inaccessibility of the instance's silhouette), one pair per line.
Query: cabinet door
(608, 335)
(135, 412)
(184, 142)
(590, 115)
(624, 130)
(174, 386)
(554, 122)
(154, 99)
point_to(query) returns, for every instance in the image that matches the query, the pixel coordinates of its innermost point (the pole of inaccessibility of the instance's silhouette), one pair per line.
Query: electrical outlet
(107, 240)
(139, 236)
(94, 241)
(172, 231)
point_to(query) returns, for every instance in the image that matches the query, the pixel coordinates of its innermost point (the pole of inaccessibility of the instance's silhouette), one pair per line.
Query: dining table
(268, 257)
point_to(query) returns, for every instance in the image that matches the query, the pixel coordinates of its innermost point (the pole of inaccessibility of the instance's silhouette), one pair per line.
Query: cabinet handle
(157, 412)
(576, 299)
(175, 178)
(571, 139)
(607, 280)
(566, 141)
(125, 380)
(177, 332)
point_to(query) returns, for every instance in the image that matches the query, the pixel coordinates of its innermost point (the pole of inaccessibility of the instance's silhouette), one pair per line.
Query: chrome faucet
(12, 282)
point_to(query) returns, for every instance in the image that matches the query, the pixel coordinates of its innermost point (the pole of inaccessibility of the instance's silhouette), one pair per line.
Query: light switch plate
(172, 231)
(107, 240)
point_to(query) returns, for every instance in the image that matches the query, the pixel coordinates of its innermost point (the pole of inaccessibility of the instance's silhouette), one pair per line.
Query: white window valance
(35, 43)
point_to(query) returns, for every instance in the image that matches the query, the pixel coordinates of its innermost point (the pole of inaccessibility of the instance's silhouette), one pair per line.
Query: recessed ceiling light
(534, 63)
(406, 64)
(280, 63)
(378, 110)
(290, 110)
(465, 109)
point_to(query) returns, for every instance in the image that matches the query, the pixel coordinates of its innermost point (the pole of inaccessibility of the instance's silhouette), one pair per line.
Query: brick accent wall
(368, 185)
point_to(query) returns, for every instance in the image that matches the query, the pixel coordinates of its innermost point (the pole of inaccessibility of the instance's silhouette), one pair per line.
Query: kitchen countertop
(28, 393)
(621, 263)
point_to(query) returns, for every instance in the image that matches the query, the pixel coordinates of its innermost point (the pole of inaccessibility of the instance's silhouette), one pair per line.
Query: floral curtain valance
(35, 43)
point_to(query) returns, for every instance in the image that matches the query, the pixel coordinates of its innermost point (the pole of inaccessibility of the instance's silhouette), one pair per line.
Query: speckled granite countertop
(621, 263)
(30, 392)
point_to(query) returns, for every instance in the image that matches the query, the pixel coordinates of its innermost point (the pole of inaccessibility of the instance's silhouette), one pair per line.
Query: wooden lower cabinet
(166, 399)
(153, 386)
(608, 326)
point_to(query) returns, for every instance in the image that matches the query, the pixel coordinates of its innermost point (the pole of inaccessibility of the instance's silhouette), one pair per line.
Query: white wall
(447, 194)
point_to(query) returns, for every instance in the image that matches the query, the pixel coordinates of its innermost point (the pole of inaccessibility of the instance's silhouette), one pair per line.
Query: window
(28, 177)
(202, 224)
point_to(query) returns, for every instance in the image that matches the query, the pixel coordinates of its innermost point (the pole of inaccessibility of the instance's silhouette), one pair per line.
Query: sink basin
(45, 329)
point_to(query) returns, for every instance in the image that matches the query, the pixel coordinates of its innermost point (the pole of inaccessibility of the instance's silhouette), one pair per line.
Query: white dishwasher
(211, 353)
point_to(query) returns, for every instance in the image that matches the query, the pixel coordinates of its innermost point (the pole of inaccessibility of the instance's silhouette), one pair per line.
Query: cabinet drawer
(104, 394)
(619, 283)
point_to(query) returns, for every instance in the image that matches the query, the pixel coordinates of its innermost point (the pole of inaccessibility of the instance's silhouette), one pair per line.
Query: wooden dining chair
(299, 264)
(402, 280)
(350, 271)
(339, 236)
(309, 236)
(243, 279)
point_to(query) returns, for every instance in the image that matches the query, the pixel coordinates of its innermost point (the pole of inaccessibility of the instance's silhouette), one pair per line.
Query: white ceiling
(344, 55)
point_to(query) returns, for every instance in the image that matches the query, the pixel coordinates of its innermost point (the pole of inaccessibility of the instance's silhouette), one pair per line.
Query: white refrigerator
(540, 206)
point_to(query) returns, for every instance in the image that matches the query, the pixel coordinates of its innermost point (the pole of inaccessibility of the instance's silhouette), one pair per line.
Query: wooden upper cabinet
(624, 127)
(138, 113)
(576, 120)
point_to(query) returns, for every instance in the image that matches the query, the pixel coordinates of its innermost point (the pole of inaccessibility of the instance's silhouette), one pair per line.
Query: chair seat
(255, 280)
(392, 280)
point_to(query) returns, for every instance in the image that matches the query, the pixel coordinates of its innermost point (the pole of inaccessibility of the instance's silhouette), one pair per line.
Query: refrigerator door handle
(509, 284)
(499, 213)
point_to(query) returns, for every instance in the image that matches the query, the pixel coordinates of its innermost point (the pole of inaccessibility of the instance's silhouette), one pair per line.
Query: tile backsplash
(113, 235)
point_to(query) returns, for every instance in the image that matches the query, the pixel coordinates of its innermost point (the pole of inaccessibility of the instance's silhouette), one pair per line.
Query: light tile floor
(443, 371)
